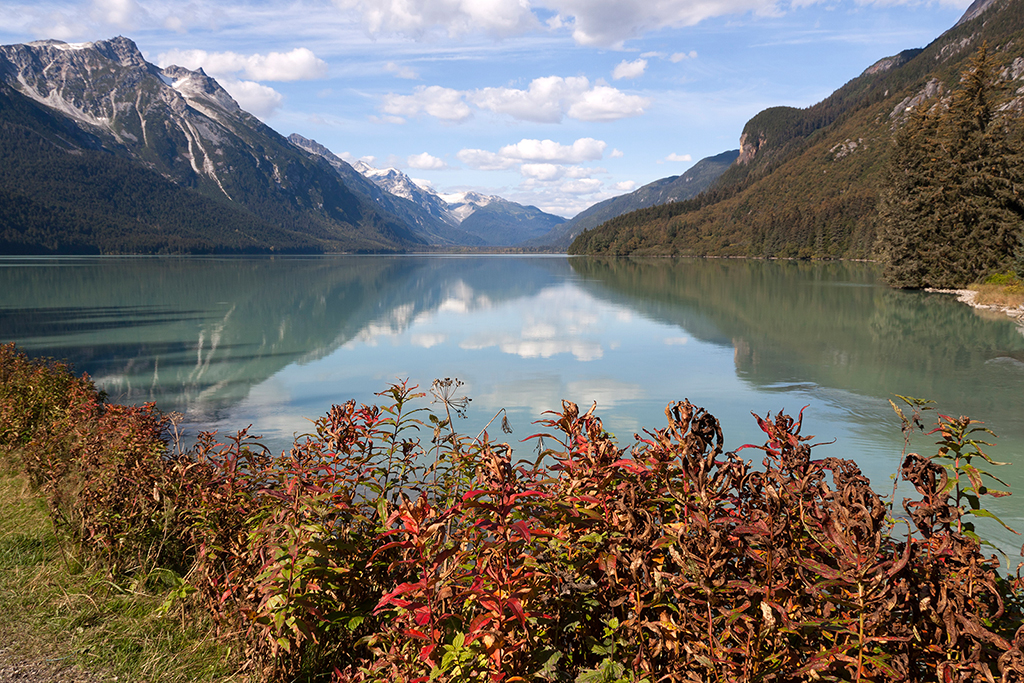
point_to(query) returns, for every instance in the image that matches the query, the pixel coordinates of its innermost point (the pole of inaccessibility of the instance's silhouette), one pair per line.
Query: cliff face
(749, 146)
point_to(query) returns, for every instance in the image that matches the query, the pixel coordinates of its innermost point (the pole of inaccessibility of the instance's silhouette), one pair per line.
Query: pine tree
(952, 209)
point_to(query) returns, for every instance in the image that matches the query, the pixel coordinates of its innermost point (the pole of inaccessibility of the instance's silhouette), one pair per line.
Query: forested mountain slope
(807, 181)
(698, 178)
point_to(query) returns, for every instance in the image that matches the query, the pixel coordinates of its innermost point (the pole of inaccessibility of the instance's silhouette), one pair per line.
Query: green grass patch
(58, 611)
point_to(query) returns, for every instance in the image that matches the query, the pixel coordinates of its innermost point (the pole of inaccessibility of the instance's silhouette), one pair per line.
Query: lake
(273, 342)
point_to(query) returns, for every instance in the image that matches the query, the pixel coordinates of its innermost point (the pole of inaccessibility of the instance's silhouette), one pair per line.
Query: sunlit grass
(58, 612)
(1000, 290)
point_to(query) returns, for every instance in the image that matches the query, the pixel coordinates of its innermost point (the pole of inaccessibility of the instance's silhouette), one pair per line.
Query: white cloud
(625, 186)
(400, 71)
(611, 22)
(298, 65)
(545, 100)
(604, 103)
(255, 98)
(534, 156)
(582, 172)
(583, 149)
(592, 22)
(120, 13)
(482, 160)
(680, 56)
(678, 157)
(616, 154)
(549, 99)
(630, 69)
(455, 17)
(426, 162)
(542, 171)
(442, 103)
(582, 186)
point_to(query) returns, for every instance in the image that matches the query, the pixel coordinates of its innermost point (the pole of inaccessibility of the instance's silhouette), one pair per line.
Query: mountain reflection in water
(275, 341)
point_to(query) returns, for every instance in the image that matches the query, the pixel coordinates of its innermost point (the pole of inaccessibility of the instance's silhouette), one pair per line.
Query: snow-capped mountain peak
(399, 184)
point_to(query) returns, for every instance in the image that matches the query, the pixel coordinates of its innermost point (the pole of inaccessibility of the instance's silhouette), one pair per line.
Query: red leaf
(517, 609)
(422, 617)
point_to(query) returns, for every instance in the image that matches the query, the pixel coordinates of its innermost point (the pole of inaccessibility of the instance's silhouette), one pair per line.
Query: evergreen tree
(952, 209)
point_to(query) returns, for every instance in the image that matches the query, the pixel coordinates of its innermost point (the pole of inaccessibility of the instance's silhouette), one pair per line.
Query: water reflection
(274, 342)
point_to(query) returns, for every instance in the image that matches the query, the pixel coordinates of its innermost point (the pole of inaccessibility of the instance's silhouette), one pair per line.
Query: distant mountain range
(471, 218)
(806, 182)
(106, 153)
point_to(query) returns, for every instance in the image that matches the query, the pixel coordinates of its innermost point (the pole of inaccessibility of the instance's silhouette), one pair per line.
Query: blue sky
(555, 103)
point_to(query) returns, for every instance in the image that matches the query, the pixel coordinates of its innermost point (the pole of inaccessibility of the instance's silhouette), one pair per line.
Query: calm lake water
(274, 342)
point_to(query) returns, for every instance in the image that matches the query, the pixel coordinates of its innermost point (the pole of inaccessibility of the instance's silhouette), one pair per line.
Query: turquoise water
(274, 342)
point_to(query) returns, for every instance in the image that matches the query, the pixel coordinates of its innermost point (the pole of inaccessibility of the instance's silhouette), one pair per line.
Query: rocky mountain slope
(486, 219)
(806, 183)
(455, 219)
(105, 152)
(430, 221)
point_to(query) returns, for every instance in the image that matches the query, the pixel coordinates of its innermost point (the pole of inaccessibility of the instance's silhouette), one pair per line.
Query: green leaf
(985, 513)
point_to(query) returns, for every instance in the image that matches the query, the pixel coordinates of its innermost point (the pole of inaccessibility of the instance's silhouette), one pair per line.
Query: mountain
(106, 153)
(673, 189)
(485, 218)
(430, 219)
(807, 181)
(502, 222)
(395, 182)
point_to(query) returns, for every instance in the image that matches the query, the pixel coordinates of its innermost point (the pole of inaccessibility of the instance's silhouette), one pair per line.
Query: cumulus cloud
(255, 98)
(442, 103)
(298, 65)
(542, 171)
(400, 71)
(545, 100)
(625, 186)
(455, 17)
(611, 22)
(583, 149)
(581, 186)
(630, 69)
(678, 157)
(426, 162)
(549, 99)
(483, 160)
(591, 22)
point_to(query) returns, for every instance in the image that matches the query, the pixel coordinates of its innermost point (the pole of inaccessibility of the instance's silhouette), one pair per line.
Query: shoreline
(970, 297)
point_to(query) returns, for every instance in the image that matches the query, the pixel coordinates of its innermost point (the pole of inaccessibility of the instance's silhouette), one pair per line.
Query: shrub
(384, 545)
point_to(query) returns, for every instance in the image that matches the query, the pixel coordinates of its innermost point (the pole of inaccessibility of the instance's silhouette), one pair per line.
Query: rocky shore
(970, 297)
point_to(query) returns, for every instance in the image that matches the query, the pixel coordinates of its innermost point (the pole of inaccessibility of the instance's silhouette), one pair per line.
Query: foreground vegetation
(387, 546)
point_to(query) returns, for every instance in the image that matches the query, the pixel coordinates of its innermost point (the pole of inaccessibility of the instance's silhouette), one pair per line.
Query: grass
(1000, 290)
(57, 611)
